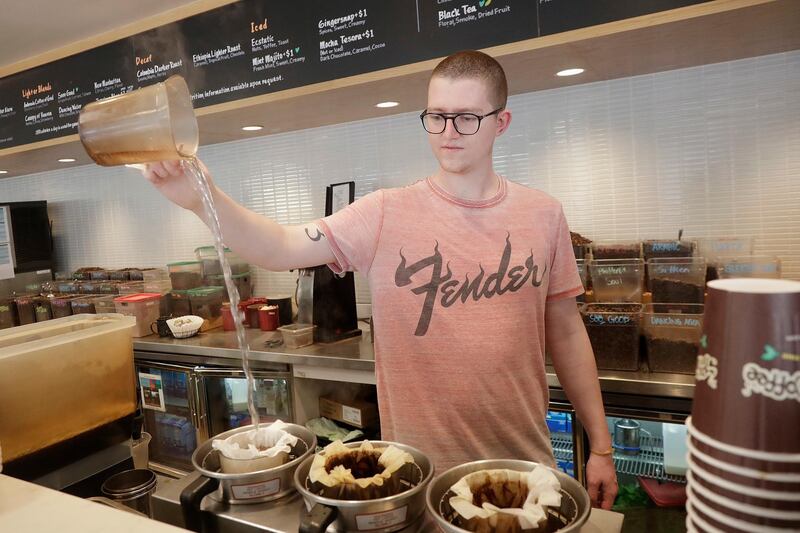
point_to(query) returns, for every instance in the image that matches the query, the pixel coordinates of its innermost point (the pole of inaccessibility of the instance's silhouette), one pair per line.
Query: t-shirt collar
(486, 202)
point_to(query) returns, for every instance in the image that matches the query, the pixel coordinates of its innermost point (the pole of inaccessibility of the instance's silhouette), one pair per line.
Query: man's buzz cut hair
(476, 65)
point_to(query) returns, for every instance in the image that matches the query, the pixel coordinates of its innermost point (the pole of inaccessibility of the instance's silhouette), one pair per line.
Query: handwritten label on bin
(680, 322)
(672, 269)
(602, 320)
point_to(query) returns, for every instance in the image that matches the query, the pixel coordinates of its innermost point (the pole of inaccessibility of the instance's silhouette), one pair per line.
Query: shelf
(562, 446)
(648, 463)
(711, 32)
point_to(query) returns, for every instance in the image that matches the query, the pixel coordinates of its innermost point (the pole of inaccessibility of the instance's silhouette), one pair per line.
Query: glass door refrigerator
(185, 405)
(649, 452)
(169, 404)
(650, 459)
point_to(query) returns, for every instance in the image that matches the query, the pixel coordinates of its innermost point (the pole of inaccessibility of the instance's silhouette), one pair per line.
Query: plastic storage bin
(104, 304)
(135, 274)
(83, 304)
(119, 275)
(652, 249)
(297, 335)
(717, 248)
(63, 377)
(143, 306)
(132, 287)
(749, 267)
(672, 333)
(67, 287)
(154, 274)
(616, 250)
(8, 313)
(613, 330)
(617, 280)
(42, 309)
(582, 271)
(61, 305)
(179, 303)
(211, 266)
(243, 282)
(90, 287)
(25, 311)
(85, 273)
(99, 275)
(206, 302)
(185, 275)
(161, 286)
(677, 279)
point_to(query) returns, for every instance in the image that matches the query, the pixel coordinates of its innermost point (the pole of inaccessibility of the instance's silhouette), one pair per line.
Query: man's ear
(503, 122)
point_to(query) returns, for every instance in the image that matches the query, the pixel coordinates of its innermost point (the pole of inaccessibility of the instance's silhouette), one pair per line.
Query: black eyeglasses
(464, 123)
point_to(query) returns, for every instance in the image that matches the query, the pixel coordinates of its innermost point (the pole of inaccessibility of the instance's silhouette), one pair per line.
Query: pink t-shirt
(458, 302)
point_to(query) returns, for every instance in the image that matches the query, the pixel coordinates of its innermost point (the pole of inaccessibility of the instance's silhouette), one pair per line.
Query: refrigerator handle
(198, 407)
(579, 455)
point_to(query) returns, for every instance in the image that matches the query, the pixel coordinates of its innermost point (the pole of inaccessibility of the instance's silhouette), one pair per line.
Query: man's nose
(450, 128)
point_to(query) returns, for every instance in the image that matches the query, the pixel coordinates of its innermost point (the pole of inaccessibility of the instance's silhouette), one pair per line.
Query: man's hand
(601, 478)
(171, 181)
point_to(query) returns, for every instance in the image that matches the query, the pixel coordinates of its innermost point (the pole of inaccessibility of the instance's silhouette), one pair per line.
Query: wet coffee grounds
(503, 495)
(361, 465)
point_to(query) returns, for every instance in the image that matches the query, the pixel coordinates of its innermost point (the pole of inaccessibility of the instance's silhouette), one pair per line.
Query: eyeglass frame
(453, 117)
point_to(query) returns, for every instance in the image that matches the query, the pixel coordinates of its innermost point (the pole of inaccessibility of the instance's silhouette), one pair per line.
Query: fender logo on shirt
(453, 290)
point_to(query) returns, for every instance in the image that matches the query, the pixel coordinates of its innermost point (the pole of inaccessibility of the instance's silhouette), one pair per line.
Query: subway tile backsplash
(714, 150)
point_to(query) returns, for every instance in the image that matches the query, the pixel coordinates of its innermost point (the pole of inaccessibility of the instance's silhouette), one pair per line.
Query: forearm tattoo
(316, 237)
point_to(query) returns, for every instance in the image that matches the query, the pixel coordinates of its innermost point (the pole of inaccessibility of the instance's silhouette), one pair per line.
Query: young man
(471, 276)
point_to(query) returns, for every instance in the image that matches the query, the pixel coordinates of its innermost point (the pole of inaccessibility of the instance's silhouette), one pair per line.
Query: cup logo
(773, 383)
(707, 370)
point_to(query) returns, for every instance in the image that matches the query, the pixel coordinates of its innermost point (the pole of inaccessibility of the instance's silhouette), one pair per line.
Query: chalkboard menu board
(44, 102)
(256, 47)
(556, 16)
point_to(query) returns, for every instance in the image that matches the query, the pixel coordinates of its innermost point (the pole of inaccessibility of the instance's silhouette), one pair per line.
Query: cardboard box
(354, 413)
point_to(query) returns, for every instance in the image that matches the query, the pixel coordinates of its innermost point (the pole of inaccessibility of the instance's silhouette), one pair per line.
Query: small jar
(268, 318)
(252, 315)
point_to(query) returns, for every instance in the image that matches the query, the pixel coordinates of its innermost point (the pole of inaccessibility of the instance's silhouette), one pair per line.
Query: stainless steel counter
(280, 516)
(350, 354)
(358, 354)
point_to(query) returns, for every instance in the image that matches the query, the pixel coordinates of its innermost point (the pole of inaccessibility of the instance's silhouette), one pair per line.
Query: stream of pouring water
(200, 183)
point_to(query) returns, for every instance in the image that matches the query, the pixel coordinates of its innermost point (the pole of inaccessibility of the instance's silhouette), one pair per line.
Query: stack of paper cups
(744, 432)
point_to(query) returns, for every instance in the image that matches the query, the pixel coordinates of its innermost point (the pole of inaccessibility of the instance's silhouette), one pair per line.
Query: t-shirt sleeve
(353, 233)
(565, 282)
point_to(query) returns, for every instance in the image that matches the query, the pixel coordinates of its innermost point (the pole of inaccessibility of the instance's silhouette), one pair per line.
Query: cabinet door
(224, 394)
(169, 414)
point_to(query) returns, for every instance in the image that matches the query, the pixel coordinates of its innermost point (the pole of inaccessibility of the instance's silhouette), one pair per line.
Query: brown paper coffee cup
(748, 374)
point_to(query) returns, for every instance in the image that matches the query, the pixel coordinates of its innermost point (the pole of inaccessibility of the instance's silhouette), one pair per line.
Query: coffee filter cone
(505, 501)
(340, 482)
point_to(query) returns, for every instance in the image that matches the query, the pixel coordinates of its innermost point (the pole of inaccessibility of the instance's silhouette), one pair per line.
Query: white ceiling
(31, 27)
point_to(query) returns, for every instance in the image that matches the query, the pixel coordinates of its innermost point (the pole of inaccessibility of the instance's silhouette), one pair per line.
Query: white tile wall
(713, 149)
